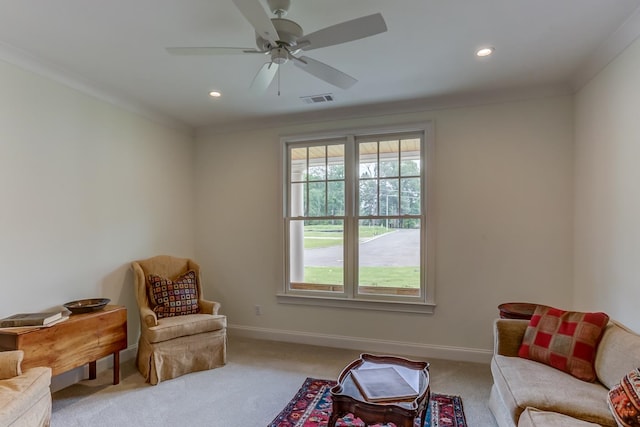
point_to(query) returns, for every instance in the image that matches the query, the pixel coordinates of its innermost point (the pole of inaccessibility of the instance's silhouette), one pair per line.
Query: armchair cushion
(180, 326)
(176, 297)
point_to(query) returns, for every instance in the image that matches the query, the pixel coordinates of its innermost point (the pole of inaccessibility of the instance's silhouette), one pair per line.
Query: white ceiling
(116, 47)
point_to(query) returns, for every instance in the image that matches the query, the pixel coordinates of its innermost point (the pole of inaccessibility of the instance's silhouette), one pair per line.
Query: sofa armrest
(208, 307)
(10, 364)
(508, 334)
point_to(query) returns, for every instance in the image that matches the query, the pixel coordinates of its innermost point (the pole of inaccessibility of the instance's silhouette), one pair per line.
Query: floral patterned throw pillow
(624, 400)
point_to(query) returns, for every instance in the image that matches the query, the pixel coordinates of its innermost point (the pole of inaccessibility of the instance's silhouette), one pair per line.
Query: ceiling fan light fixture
(485, 51)
(215, 94)
(279, 55)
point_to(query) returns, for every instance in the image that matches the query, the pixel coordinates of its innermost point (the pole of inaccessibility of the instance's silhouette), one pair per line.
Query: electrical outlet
(258, 309)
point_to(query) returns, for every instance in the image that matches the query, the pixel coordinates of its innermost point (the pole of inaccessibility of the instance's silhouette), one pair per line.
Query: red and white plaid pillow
(566, 340)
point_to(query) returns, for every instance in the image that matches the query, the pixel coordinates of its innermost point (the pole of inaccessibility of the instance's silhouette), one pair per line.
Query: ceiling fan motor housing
(288, 33)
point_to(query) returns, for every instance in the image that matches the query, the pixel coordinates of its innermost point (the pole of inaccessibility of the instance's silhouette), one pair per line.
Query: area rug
(311, 407)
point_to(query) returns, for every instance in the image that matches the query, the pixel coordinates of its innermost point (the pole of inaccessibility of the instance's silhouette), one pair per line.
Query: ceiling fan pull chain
(278, 81)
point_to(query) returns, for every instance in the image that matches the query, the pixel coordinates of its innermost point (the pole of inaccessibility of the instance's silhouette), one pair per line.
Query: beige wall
(85, 187)
(503, 206)
(607, 201)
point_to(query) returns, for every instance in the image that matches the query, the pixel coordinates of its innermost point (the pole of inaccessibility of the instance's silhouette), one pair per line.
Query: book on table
(383, 385)
(31, 319)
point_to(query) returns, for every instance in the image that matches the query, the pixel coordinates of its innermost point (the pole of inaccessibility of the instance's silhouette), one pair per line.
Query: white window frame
(350, 298)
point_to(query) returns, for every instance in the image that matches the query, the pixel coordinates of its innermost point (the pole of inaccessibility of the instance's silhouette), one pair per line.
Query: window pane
(389, 158)
(335, 202)
(298, 164)
(368, 197)
(410, 157)
(316, 255)
(389, 197)
(317, 199)
(317, 163)
(296, 199)
(368, 152)
(335, 162)
(389, 264)
(410, 196)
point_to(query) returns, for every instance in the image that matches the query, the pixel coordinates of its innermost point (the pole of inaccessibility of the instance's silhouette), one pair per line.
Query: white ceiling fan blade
(355, 29)
(258, 18)
(210, 50)
(265, 76)
(325, 72)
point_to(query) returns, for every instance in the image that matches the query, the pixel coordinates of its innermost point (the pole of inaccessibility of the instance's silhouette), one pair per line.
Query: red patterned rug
(311, 407)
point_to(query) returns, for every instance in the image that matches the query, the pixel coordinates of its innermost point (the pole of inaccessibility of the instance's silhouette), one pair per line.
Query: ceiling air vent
(315, 99)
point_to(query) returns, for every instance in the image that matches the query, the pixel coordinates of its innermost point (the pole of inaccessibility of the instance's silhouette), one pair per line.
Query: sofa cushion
(532, 417)
(624, 400)
(618, 353)
(522, 383)
(566, 340)
(176, 297)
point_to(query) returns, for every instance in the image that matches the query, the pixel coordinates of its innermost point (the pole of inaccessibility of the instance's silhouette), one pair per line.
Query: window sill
(359, 304)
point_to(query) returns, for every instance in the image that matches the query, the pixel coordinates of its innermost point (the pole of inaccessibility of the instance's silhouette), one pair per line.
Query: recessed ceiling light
(215, 94)
(485, 51)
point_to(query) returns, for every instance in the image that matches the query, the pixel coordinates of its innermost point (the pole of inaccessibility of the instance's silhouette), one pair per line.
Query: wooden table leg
(332, 419)
(116, 368)
(92, 370)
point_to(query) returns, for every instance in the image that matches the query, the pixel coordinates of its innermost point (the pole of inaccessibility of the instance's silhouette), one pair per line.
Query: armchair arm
(10, 364)
(208, 307)
(508, 334)
(148, 317)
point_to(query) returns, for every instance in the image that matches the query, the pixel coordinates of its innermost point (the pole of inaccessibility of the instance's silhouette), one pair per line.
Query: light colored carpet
(258, 381)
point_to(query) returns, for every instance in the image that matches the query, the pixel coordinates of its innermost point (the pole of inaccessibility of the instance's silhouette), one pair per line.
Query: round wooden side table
(517, 310)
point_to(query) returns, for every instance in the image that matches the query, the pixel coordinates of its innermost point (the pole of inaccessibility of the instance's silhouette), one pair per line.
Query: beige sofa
(25, 398)
(526, 393)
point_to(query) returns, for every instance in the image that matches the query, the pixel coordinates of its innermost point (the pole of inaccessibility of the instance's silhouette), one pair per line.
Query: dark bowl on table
(86, 305)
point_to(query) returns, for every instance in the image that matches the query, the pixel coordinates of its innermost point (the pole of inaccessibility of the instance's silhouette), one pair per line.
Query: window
(356, 222)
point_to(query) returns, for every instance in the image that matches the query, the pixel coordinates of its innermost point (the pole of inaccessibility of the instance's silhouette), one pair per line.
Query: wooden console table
(80, 340)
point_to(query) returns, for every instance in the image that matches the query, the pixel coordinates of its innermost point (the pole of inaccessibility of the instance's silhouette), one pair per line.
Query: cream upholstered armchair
(180, 332)
(25, 398)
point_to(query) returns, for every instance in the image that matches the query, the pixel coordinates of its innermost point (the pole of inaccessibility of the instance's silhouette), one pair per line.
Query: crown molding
(29, 62)
(607, 51)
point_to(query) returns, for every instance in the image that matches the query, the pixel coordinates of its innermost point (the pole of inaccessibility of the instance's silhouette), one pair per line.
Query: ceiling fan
(283, 40)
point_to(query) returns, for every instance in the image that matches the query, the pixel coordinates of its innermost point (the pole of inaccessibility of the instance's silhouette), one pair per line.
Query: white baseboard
(423, 351)
(73, 376)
